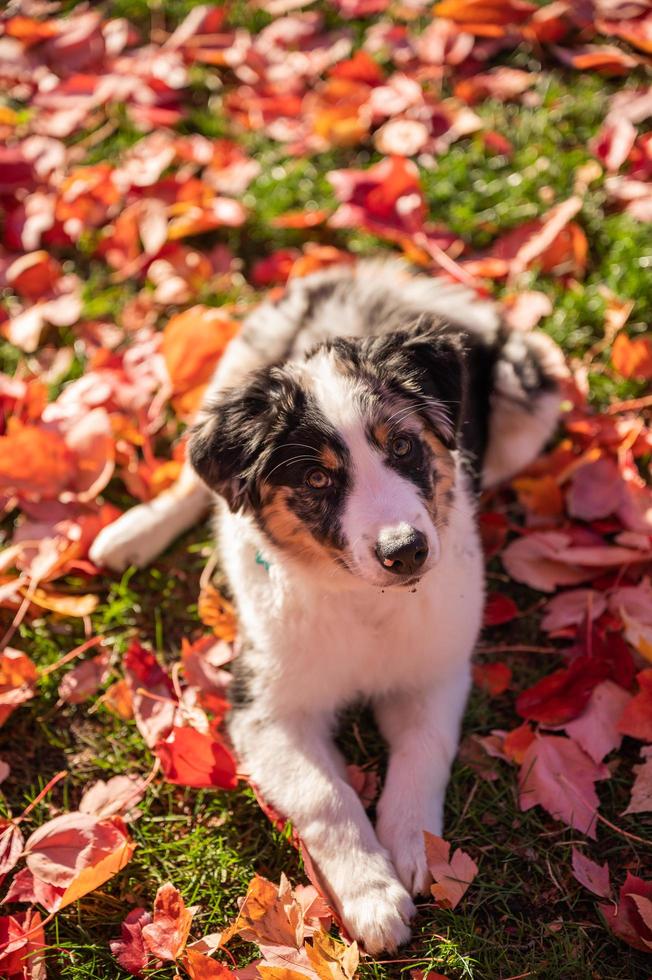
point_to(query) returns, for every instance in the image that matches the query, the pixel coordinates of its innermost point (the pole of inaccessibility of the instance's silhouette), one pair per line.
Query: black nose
(402, 553)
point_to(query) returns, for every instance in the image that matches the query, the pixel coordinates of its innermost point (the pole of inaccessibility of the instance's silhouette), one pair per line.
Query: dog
(346, 434)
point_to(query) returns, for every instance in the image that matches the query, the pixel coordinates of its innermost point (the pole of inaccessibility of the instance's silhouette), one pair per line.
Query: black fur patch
(267, 438)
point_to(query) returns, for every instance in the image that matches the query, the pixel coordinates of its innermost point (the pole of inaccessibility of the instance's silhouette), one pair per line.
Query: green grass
(524, 915)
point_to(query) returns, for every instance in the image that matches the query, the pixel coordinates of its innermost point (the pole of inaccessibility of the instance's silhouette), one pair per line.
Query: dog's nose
(402, 552)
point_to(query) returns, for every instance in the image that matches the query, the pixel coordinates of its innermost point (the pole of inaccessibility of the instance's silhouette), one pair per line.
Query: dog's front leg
(422, 729)
(297, 769)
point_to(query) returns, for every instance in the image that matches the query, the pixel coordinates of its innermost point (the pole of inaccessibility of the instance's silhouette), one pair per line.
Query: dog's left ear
(429, 368)
(442, 377)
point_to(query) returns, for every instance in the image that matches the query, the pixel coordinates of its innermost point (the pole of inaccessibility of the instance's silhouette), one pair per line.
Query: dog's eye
(318, 479)
(401, 446)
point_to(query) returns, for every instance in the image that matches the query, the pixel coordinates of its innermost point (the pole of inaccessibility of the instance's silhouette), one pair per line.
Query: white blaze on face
(379, 499)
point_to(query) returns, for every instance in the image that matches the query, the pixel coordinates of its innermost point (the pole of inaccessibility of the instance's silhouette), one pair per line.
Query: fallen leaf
(625, 919)
(130, 950)
(452, 874)
(632, 358)
(118, 795)
(494, 678)
(202, 967)
(593, 876)
(190, 758)
(167, 934)
(596, 729)
(636, 719)
(641, 798)
(84, 680)
(557, 775)
(499, 609)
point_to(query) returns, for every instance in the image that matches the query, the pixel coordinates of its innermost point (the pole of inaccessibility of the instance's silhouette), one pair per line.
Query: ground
(525, 915)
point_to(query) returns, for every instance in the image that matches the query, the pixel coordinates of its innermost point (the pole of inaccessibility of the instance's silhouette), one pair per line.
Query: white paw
(375, 908)
(408, 853)
(400, 831)
(128, 541)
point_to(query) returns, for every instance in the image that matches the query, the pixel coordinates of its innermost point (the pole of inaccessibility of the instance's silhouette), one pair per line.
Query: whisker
(295, 459)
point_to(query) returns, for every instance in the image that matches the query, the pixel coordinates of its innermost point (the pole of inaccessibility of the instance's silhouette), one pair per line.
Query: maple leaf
(632, 358)
(202, 967)
(452, 874)
(22, 940)
(118, 795)
(499, 609)
(557, 775)
(11, 845)
(636, 719)
(191, 758)
(26, 888)
(151, 691)
(494, 678)
(78, 852)
(83, 681)
(167, 934)
(628, 920)
(641, 798)
(593, 876)
(18, 677)
(130, 950)
(596, 729)
(34, 460)
(218, 613)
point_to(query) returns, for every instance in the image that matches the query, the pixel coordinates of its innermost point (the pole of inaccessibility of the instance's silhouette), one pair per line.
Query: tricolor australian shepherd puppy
(345, 436)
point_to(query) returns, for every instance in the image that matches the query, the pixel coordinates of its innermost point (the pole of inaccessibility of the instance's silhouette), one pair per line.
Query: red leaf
(130, 950)
(11, 845)
(593, 876)
(167, 934)
(493, 678)
(641, 799)
(190, 758)
(21, 939)
(499, 609)
(558, 776)
(26, 888)
(84, 680)
(626, 920)
(636, 719)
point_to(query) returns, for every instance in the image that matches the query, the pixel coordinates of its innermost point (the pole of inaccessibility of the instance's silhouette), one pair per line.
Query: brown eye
(401, 446)
(318, 479)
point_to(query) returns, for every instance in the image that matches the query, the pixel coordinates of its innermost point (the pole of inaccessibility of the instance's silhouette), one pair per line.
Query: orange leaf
(202, 967)
(632, 358)
(33, 460)
(492, 678)
(18, 676)
(540, 494)
(477, 12)
(97, 874)
(218, 613)
(167, 934)
(193, 343)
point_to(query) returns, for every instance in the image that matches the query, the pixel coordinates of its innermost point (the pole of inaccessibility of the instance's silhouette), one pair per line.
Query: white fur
(380, 500)
(321, 643)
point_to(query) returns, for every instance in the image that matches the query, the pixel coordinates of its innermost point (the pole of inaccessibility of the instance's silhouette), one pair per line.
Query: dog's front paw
(408, 853)
(375, 908)
(401, 834)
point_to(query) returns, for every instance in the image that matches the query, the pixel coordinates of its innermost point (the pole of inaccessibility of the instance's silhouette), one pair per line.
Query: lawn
(525, 914)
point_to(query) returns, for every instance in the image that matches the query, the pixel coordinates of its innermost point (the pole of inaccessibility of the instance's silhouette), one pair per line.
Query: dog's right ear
(227, 441)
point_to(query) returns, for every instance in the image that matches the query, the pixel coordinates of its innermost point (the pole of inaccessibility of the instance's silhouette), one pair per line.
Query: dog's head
(344, 457)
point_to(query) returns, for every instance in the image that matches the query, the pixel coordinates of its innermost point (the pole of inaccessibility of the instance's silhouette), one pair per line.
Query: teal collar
(261, 561)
